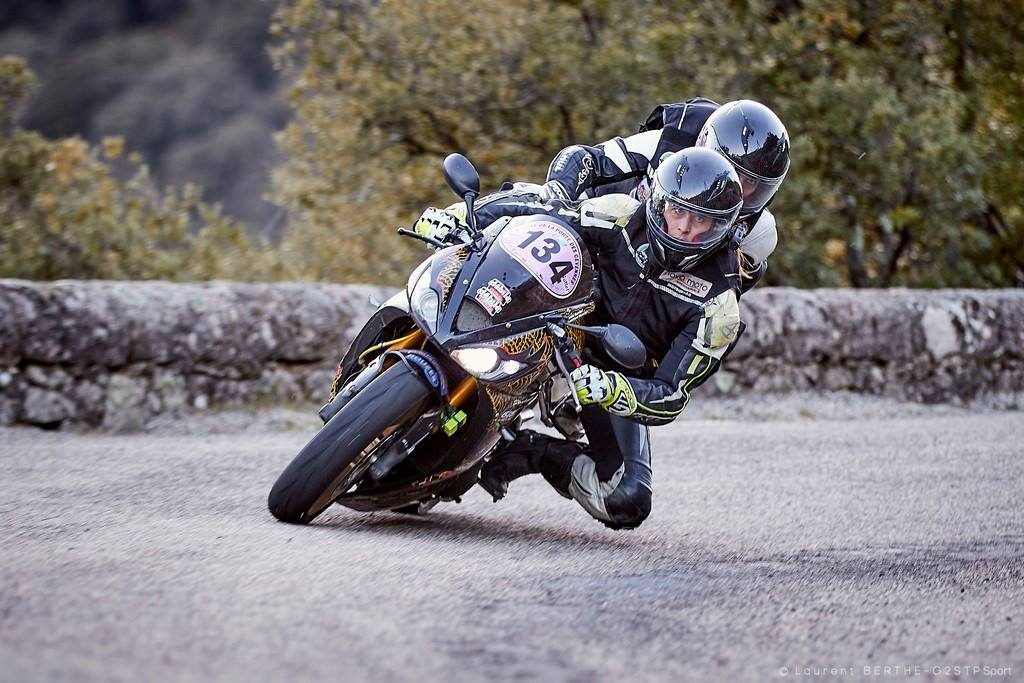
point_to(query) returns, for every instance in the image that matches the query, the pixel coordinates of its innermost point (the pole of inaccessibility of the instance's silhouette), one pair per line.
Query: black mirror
(624, 347)
(619, 342)
(460, 175)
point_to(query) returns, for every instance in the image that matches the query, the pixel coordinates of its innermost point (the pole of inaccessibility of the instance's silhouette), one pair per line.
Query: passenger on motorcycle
(748, 133)
(667, 268)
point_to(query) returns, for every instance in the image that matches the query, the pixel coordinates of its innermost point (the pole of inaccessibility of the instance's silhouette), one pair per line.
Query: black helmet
(753, 138)
(698, 186)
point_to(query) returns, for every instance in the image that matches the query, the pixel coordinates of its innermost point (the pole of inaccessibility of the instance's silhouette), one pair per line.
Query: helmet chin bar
(659, 255)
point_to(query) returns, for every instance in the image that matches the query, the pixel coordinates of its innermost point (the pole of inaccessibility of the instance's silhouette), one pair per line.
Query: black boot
(556, 465)
(515, 459)
(529, 453)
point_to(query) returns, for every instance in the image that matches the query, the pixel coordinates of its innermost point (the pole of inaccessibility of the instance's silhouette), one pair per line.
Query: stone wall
(113, 354)
(920, 345)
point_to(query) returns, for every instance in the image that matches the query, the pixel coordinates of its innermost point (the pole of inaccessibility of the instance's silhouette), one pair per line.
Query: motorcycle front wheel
(340, 453)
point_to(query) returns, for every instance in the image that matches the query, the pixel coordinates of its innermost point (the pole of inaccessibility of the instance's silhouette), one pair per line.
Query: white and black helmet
(753, 138)
(700, 181)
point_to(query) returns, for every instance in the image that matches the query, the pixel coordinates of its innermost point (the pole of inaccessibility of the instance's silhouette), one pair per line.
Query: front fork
(567, 358)
(457, 398)
(448, 417)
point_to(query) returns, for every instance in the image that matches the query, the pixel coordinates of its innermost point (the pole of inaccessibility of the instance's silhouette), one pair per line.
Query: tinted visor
(756, 191)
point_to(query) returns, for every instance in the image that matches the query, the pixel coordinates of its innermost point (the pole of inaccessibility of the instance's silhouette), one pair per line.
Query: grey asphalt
(803, 544)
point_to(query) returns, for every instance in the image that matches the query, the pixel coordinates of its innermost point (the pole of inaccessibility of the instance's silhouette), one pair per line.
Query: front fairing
(530, 266)
(494, 296)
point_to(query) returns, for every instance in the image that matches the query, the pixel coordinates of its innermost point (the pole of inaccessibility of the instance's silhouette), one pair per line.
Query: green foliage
(383, 91)
(887, 168)
(63, 214)
(16, 82)
(905, 119)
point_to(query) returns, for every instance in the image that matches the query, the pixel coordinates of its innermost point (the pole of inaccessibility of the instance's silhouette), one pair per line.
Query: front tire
(339, 454)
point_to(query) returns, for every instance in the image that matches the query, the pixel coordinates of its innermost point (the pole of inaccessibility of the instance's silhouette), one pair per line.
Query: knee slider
(628, 505)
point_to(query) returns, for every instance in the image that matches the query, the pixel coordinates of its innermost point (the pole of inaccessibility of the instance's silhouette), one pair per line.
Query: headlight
(424, 302)
(477, 361)
(417, 273)
(484, 362)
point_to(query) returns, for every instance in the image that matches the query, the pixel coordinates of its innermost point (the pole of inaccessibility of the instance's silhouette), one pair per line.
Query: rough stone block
(941, 333)
(45, 407)
(171, 390)
(125, 408)
(47, 376)
(89, 396)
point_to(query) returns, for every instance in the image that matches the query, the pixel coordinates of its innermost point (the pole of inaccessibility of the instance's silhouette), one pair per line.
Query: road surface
(797, 539)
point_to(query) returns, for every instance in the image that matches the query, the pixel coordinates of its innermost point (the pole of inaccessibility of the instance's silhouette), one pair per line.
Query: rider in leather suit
(747, 132)
(667, 268)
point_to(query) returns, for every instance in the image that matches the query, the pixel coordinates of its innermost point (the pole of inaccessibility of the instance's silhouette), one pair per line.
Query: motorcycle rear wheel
(340, 453)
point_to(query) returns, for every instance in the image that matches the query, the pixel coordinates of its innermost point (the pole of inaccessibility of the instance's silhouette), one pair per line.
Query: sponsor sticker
(585, 170)
(688, 283)
(641, 254)
(493, 296)
(549, 251)
(642, 190)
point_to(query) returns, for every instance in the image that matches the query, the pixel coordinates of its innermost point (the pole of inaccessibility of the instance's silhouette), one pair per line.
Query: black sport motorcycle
(487, 328)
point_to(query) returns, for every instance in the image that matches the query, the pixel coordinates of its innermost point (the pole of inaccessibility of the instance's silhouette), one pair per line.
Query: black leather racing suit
(687, 321)
(620, 165)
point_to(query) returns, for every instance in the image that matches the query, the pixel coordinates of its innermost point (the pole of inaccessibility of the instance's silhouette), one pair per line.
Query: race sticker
(688, 283)
(549, 251)
(493, 296)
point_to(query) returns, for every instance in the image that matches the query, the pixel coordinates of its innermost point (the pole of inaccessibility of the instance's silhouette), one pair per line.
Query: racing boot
(515, 459)
(529, 453)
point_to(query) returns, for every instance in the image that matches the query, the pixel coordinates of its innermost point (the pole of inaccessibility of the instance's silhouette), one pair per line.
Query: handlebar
(438, 244)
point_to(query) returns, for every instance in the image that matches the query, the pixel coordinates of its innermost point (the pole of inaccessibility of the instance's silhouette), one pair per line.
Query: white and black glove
(439, 224)
(610, 390)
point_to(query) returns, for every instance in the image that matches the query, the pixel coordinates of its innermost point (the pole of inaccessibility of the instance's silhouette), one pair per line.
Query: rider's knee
(628, 506)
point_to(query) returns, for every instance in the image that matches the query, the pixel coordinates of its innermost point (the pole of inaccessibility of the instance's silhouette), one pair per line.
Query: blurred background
(257, 140)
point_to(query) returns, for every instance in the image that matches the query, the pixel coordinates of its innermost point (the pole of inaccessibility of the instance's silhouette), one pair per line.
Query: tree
(64, 214)
(384, 90)
(905, 119)
(886, 174)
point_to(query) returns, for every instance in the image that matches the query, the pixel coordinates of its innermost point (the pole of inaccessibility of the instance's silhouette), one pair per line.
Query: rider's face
(685, 225)
(748, 185)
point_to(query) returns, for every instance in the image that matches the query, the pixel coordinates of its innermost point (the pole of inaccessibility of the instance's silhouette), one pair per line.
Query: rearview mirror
(624, 347)
(460, 175)
(619, 342)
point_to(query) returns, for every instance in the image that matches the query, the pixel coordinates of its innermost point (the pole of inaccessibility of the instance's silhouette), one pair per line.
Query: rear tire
(340, 452)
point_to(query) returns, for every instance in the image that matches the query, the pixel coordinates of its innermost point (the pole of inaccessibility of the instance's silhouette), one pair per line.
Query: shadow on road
(456, 526)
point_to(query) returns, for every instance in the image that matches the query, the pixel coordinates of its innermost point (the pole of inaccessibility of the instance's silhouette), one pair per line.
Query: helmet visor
(685, 227)
(757, 191)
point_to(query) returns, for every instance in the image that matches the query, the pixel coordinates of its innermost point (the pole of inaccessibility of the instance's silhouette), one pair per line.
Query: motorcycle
(486, 329)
